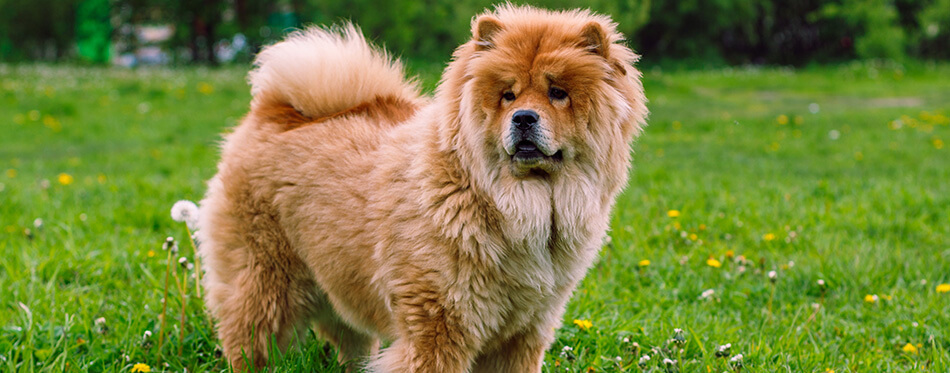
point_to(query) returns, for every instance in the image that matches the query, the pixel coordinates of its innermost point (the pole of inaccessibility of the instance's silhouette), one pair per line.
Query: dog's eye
(556, 93)
(508, 96)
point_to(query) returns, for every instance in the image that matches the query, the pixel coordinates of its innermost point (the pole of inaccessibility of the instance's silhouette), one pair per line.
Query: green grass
(848, 197)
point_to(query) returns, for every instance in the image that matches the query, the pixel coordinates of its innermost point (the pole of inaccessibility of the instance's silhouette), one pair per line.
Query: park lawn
(840, 174)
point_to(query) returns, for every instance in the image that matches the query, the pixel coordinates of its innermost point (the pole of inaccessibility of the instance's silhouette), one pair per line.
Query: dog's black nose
(525, 119)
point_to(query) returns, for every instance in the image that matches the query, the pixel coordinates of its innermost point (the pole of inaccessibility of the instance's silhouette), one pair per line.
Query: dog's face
(545, 87)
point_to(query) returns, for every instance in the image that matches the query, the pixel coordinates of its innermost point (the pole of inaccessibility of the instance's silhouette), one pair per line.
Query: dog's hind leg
(258, 289)
(353, 345)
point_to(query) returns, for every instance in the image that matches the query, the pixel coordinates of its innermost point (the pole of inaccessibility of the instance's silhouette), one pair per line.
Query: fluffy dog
(455, 227)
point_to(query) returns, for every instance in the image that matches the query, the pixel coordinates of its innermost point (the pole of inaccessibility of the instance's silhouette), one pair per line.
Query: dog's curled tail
(321, 72)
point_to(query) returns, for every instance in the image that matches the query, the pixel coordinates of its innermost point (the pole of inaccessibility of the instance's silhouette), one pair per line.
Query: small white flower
(707, 293)
(914, 324)
(669, 362)
(677, 331)
(834, 134)
(147, 335)
(619, 359)
(187, 212)
(567, 348)
(736, 359)
(183, 261)
(644, 359)
(821, 282)
(773, 276)
(100, 321)
(813, 108)
(626, 340)
(38, 223)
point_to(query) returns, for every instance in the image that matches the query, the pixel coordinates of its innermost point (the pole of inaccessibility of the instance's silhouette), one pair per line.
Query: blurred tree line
(724, 31)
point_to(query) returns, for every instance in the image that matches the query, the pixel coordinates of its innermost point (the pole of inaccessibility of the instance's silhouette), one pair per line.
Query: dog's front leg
(523, 352)
(431, 338)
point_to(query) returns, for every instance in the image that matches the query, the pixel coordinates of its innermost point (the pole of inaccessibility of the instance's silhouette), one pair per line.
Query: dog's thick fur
(348, 201)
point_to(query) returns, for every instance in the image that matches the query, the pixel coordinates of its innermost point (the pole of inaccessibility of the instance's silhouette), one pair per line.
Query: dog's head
(544, 91)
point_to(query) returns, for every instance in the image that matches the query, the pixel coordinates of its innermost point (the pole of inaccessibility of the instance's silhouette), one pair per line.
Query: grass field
(839, 174)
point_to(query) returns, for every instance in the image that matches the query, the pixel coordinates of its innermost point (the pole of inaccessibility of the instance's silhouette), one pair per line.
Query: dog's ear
(594, 39)
(484, 30)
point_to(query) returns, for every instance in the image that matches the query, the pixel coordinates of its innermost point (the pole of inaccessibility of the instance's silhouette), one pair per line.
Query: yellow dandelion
(938, 143)
(829, 370)
(730, 254)
(782, 119)
(693, 237)
(870, 298)
(139, 367)
(702, 227)
(677, 225)
(768, 236)
(11, 173)
(712, 262)
(909, 348)
(644, 263)
(101, 178)
(205, 88)
(65, 178)
(583, 324)
(943, 288)
(673, 213)
(151, 253)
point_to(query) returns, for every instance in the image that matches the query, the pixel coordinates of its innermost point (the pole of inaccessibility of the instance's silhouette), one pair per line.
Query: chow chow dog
(452, 227)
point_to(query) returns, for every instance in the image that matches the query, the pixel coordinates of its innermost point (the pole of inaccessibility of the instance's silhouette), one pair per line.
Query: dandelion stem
(161, 330)
(184, 303)
(197, 262)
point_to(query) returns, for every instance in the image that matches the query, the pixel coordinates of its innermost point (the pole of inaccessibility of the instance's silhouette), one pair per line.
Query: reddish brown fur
(406, 219)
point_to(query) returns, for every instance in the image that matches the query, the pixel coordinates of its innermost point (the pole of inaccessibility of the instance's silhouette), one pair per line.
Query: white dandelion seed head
(147, 334)
(773, 275)
(834, 134)
(736, 359)
(813, 108)
(644, 359)
(186, 212)
(183, 261)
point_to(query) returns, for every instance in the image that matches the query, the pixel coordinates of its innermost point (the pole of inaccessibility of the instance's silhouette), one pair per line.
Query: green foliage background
(793, 32)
